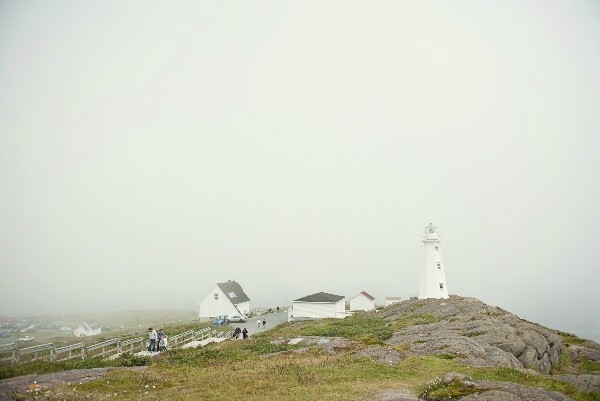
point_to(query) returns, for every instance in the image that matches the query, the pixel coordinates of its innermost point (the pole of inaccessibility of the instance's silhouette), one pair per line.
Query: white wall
(431, 275)
(319, 310)
(211, 307)
(244, 307)
(361, 302)
(82, 332)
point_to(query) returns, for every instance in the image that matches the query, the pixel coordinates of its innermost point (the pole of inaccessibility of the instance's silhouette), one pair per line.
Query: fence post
(119, 346)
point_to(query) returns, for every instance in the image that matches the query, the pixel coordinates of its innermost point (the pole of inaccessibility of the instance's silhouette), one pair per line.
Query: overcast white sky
(151, 149)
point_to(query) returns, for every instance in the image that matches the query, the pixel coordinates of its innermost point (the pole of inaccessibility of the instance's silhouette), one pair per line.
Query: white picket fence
(106, 349)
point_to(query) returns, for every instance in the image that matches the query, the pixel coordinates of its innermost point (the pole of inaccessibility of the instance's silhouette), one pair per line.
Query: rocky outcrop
(479, 334)
(477, 390)
(584, 382)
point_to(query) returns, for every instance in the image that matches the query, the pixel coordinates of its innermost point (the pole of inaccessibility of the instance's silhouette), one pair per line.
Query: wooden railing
(70, 352)
(37, 352)
(8, 352)
(105, 349)
(133, 345)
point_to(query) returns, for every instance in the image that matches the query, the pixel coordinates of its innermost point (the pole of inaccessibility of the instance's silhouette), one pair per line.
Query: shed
(363, 301)
(392, 300)
(319, 305)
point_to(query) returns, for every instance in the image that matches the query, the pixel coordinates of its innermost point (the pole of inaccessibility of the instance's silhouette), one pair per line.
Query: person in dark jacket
(245, 333)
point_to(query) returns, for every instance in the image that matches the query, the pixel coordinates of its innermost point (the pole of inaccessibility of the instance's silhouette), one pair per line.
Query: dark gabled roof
(366, 294)
(320, 297)
(234, 292)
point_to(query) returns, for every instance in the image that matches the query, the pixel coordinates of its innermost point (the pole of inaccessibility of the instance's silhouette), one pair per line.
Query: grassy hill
(346, 359)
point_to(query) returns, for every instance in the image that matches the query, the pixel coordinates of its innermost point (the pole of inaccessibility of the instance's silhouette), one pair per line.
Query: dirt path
(37, 383)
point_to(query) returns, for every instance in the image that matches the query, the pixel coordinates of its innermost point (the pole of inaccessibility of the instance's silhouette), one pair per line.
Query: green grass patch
(439, 391)
(41, 367)
(365, 328)
(546, 382)
(445, 356)
(414, 319)
(587, 366)
(569, 338)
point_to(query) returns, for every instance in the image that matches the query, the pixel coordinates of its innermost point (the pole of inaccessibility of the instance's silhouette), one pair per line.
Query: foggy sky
(151, 149)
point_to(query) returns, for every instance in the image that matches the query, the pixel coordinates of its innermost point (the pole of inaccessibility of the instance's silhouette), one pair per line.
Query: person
(245, 333)
(152, 338)
(258, 323)
(278, 309)
(238, 331)
(161, 340)
(264, 323)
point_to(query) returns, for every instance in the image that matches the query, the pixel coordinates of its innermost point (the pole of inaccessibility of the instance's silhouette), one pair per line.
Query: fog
(149, 150)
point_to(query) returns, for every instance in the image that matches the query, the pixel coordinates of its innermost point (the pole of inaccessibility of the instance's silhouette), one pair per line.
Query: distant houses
(362, 302)
(319, 305)
(84, 330)
(392, 300)
(226, 298)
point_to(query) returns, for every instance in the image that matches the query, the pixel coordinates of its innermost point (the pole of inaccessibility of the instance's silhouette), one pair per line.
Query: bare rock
(492, 395)
(383, 355)
(585, 382)
(453, 376)
(480, 334)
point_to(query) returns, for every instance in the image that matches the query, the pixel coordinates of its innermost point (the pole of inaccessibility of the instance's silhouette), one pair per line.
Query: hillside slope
(481, 335)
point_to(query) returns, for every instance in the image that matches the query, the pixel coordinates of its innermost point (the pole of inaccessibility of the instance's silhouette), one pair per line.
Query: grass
(570, 339)
(587, 366)
(233, 369)
(365, 328)
(42, 367)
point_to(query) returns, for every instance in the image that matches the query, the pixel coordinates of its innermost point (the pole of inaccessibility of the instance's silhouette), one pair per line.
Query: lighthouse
(433, 278)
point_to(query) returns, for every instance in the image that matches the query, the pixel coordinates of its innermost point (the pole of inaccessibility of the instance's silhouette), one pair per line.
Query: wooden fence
(105, 349)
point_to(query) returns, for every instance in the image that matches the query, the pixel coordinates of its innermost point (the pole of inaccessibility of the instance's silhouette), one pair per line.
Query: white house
(319, 305)
(85, 330)
(433, 277)
(363, 301)
(226, 298)
(392, 300)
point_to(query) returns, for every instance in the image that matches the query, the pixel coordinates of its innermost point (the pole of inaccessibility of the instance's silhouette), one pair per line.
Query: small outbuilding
(226, 298)
(392, 300)
(318, 306)
(363, 301)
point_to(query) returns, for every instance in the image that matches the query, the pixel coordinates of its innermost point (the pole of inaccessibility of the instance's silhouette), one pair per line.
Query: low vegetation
(360, 327)
(262, 368)
(41, 367)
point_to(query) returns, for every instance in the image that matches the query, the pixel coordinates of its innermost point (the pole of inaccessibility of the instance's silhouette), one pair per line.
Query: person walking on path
(245, 333)
(264, 323)
(152, 337)
(162, 338)
(258, 323)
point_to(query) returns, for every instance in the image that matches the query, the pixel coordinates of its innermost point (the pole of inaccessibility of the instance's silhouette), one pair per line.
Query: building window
(437, 248)
(439, 265)
(216, 296)
(441, 286)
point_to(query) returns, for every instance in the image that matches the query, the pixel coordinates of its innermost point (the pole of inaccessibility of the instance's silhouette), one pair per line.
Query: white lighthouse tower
(433, 278)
